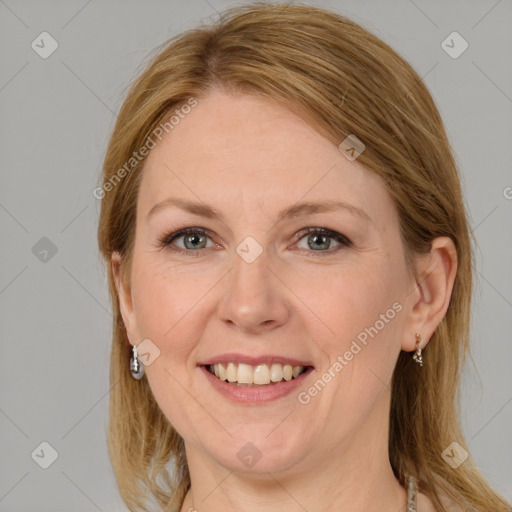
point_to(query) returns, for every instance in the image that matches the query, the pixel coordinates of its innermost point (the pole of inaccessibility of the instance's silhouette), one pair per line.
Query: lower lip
(255, 394)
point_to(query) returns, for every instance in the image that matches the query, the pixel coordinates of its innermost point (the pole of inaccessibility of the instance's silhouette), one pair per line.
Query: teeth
(245, 374)
(222, 372)
(276, 372)
(232, 372)
(296, 371)
(260, 374)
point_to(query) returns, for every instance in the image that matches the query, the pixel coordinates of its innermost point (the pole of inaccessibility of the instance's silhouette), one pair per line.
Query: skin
(250, 158)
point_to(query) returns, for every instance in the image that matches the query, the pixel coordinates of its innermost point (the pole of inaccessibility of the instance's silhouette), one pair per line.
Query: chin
(257, 453)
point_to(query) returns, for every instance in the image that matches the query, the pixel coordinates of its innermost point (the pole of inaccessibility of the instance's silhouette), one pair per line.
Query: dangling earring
(417, 355)
(136, 368)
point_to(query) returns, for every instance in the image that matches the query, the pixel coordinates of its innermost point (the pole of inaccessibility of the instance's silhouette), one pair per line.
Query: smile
(255, 375)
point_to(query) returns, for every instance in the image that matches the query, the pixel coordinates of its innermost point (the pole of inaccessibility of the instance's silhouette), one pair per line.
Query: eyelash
(166, 240)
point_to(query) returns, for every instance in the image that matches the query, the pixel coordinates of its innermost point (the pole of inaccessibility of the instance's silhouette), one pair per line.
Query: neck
(355, 476)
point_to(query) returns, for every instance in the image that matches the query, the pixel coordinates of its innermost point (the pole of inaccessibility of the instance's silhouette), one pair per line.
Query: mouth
(258, 375)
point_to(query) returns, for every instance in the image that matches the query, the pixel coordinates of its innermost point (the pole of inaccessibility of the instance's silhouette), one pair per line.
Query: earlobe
(436, 274)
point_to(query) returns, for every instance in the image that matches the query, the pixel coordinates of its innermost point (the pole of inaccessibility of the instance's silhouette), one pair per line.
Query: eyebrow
(296, 210)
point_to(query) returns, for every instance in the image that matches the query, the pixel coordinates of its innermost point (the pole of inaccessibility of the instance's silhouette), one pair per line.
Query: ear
(123, 288)
(435, 275)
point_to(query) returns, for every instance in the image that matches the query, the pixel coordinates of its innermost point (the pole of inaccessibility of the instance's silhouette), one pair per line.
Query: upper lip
(254, 360)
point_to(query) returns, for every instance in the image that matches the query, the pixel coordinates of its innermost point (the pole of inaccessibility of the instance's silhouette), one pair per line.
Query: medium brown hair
(343, 80)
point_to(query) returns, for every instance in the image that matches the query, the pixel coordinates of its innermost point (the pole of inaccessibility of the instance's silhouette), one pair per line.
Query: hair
(343, 80)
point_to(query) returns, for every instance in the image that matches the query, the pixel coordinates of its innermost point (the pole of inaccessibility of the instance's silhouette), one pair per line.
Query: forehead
(234, 150)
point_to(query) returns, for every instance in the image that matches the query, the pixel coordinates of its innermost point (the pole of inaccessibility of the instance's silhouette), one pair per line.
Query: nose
(255, 299)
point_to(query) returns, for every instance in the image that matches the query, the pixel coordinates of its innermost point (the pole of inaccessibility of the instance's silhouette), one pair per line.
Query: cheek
(364, 309)
(168, 312)
(354, 300)
(163, 297)
(365, 312)
(173, 307)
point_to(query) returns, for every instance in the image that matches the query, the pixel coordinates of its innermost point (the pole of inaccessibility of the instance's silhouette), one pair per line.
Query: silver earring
(417, 355)
(136, 368)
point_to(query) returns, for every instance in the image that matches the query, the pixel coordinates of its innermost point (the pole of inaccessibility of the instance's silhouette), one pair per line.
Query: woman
(290, 267)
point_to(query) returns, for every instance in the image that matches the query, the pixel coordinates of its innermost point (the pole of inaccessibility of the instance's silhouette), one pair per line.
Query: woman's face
(248, 286)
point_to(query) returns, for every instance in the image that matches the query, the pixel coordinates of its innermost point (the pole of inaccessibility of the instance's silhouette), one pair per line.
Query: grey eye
(321, 239)
(194, 240)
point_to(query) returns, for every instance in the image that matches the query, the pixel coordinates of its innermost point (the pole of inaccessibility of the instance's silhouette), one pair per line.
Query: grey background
(57, 114)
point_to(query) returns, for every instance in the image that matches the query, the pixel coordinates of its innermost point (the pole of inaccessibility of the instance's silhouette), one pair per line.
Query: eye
(320, 239)
(191, 239)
